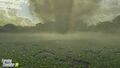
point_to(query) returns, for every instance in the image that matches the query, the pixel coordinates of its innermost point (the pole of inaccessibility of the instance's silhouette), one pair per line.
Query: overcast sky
(106, 11)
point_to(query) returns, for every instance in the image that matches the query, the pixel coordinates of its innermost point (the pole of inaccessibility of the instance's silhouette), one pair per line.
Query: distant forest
(107, 26)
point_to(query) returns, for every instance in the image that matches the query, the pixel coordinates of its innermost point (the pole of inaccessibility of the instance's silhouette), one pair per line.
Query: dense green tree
(9, 27)
(113, 26)
(48, 26)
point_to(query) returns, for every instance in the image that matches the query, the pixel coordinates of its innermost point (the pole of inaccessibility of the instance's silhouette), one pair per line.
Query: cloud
(106, 11)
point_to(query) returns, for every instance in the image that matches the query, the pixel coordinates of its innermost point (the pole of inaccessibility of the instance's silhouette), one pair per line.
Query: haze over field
(81, 50)
(61, 33)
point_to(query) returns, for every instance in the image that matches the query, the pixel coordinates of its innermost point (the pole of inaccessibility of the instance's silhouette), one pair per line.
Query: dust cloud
(64, 10)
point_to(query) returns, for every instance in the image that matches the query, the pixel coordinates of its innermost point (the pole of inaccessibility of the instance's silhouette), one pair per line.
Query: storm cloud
(90, 11)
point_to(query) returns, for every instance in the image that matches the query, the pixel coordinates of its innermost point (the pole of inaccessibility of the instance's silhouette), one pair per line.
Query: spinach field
(49, 50)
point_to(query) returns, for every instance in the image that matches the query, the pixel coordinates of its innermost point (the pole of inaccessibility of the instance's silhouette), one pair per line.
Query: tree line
(107, 26)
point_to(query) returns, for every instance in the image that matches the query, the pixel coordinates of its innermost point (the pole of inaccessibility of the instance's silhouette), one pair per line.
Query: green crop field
(48, 50)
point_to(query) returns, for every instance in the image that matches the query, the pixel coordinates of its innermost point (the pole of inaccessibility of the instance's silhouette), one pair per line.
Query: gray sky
(26, 12)
(106, 11)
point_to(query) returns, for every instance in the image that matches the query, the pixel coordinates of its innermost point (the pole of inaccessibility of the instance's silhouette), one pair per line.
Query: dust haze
(64, 38)
(64, 10)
